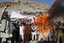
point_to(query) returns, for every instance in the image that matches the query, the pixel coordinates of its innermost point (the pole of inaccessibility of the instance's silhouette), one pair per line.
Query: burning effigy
(44, 26)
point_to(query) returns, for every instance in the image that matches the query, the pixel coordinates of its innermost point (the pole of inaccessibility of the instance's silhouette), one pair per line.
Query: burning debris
(44, 26)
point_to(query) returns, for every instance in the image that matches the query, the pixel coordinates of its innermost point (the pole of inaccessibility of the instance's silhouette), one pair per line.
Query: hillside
(25, 6)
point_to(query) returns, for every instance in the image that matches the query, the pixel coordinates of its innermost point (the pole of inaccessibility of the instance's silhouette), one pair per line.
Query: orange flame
(43, 25)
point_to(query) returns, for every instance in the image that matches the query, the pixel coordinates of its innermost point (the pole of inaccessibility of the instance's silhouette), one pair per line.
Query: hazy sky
(49, 2)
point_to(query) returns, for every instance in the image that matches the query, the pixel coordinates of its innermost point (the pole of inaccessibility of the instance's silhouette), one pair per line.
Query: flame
(44, 26)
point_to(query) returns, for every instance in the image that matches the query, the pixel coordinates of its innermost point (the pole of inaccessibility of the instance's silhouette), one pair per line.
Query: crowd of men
(20, 29)
(24, 30)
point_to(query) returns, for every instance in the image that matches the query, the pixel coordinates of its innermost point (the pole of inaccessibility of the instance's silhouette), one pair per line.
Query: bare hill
(25, 6)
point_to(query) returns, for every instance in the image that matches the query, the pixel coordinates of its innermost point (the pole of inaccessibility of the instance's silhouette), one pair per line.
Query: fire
(44, 26)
